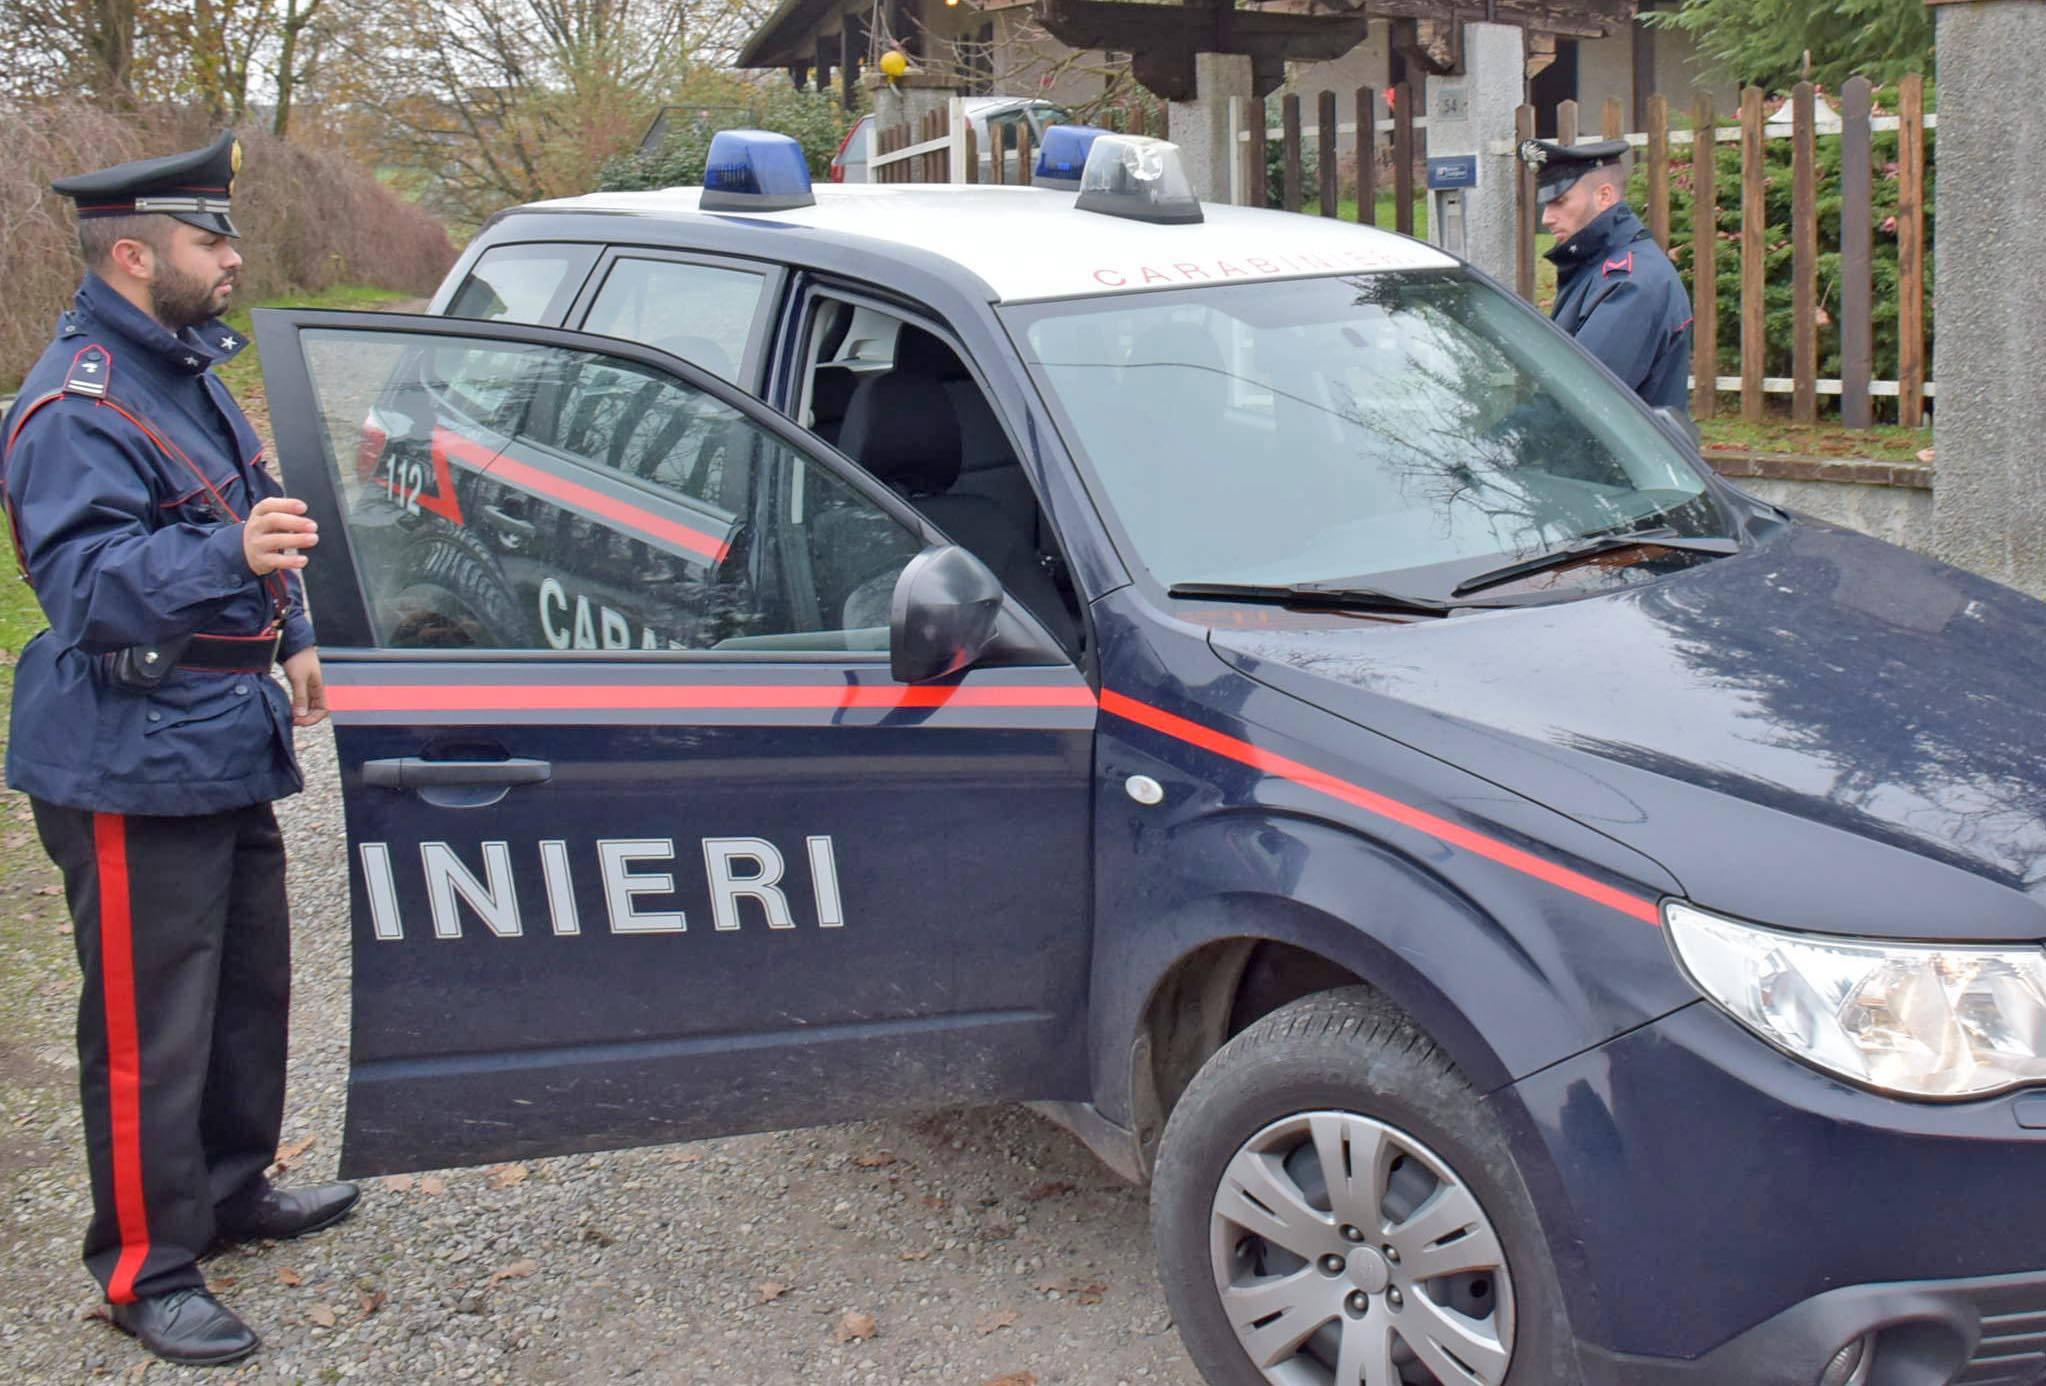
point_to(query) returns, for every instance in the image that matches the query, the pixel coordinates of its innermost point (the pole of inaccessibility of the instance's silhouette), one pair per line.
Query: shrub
(814, 119)
(309, 217)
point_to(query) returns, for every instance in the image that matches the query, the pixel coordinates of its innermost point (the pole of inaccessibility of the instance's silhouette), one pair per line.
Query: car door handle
(412, 772)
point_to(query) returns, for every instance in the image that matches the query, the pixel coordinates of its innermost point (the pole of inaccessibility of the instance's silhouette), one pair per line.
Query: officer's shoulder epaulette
(90, 370)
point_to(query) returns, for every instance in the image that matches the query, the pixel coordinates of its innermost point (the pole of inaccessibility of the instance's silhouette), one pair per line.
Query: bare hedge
(310, 217)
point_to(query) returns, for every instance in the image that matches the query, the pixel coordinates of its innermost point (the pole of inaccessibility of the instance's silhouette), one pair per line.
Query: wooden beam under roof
(1218, 26)
(1574, 18)
(1127, 27)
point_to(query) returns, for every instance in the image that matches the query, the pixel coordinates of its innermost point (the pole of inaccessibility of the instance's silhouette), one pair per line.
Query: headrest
(920, 353)
(900, 426)
(831, 390)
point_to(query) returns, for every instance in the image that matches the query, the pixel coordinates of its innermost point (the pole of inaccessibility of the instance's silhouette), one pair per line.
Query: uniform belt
(232, 654)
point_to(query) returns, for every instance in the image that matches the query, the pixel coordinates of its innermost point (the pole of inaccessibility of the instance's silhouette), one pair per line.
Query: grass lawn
(1885, 443)
(20, 618)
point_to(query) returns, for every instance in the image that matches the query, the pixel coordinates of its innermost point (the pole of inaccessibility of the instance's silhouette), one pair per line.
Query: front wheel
(1334, 1207)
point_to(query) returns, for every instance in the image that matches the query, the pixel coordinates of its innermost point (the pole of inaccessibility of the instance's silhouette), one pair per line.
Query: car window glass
(1042, 116)
(855, 148)
(522, 283)
(1326, 428)
(701, 313)
(601, 505)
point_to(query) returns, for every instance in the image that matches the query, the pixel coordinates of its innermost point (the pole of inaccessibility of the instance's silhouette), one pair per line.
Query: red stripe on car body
(520, 697)
(1271, 763)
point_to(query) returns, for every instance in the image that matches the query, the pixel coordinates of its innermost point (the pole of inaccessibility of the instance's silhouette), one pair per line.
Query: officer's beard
(179, 300)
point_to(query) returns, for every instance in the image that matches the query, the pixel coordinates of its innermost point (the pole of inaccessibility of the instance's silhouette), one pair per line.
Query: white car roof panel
(1033, 243)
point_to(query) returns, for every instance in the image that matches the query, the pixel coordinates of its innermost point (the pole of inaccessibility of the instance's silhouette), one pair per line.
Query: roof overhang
(789, 35)
(1164, 37)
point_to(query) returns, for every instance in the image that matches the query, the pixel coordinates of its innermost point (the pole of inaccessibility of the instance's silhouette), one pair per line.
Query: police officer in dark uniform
(1616, 292)
(151, 738)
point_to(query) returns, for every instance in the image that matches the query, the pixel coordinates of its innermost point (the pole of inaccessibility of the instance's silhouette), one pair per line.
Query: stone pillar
(907, 99)
(1989, 489)
(1472, 114)
(1200, 127)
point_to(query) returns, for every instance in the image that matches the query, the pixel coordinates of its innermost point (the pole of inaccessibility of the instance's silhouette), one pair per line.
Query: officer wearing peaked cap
(150, 737)
(1616, 292)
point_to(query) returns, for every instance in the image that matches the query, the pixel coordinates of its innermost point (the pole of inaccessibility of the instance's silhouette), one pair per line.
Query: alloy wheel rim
(1347, 1253)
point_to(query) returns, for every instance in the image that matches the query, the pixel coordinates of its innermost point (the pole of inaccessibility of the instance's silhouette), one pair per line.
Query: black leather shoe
(188, 1327)
(279, 1213)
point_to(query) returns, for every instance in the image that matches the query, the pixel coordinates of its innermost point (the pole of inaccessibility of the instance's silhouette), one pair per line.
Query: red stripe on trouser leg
(124, 1049)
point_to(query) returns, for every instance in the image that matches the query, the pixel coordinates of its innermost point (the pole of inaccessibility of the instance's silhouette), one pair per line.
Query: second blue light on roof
(1062, 155)
(755, 171)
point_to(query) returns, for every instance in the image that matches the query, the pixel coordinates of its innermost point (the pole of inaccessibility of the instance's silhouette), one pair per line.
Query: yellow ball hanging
(894, 63)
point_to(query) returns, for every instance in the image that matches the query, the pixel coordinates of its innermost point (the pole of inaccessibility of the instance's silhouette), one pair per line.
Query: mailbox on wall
(1448, 178)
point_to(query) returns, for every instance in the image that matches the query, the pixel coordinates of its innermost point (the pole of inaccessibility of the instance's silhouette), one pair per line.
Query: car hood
(1823, 732)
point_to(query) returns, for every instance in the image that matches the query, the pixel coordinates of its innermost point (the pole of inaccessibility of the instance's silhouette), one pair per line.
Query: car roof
(1028, 243)
(978, 104)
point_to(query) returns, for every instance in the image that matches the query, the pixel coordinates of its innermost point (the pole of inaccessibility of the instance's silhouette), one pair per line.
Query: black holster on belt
(145, 666)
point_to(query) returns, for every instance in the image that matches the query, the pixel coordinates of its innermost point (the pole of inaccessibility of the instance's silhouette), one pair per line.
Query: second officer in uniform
(151, 739)
(1616, 292)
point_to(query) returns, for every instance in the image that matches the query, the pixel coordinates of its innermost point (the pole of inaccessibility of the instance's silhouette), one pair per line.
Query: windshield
(1348, 426)
(1044, 114)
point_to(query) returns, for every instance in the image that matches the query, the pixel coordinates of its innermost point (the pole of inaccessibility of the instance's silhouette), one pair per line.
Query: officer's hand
(308, 688)
(275, 532)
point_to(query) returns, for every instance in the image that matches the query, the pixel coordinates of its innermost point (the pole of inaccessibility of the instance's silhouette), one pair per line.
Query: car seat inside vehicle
(925, 428)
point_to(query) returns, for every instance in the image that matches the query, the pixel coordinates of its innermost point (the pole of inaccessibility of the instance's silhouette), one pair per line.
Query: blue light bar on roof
(1062, 155)
(755, 171)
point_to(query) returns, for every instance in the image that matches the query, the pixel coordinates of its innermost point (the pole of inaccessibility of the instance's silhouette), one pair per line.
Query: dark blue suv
(1243, 684)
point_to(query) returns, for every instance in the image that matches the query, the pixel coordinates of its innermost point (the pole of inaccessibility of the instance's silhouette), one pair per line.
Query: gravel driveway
(970, 1246)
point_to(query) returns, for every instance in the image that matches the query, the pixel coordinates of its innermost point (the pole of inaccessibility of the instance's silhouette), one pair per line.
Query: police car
(1243, 683)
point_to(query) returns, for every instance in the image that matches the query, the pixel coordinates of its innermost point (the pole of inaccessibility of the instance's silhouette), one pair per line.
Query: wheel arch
(1241, 956)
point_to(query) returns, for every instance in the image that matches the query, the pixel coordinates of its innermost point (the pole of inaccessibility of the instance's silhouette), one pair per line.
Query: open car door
(645, 842)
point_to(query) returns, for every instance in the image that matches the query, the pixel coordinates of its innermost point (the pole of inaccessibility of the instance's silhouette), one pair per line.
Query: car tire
(1347, 1069)
(454, 595)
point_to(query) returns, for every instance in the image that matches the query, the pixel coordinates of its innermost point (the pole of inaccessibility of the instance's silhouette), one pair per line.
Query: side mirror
(943, 614)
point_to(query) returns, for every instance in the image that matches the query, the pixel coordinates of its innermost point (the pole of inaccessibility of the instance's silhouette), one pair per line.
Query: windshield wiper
(1586, 547)
(1330, 596)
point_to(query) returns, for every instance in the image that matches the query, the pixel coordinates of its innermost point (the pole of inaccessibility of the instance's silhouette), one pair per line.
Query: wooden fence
(917, 152)
(1662, 149)
(1249, 177)
(923, 150)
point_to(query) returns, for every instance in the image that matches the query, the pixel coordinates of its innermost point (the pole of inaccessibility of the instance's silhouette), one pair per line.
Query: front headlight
(1917, 1020)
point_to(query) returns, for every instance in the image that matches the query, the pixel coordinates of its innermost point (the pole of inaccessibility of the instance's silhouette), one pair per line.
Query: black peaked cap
(1557, 166)
(194, 187)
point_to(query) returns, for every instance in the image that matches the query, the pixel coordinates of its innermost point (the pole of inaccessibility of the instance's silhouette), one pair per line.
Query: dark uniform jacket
(127, 544)
(1618, 295)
